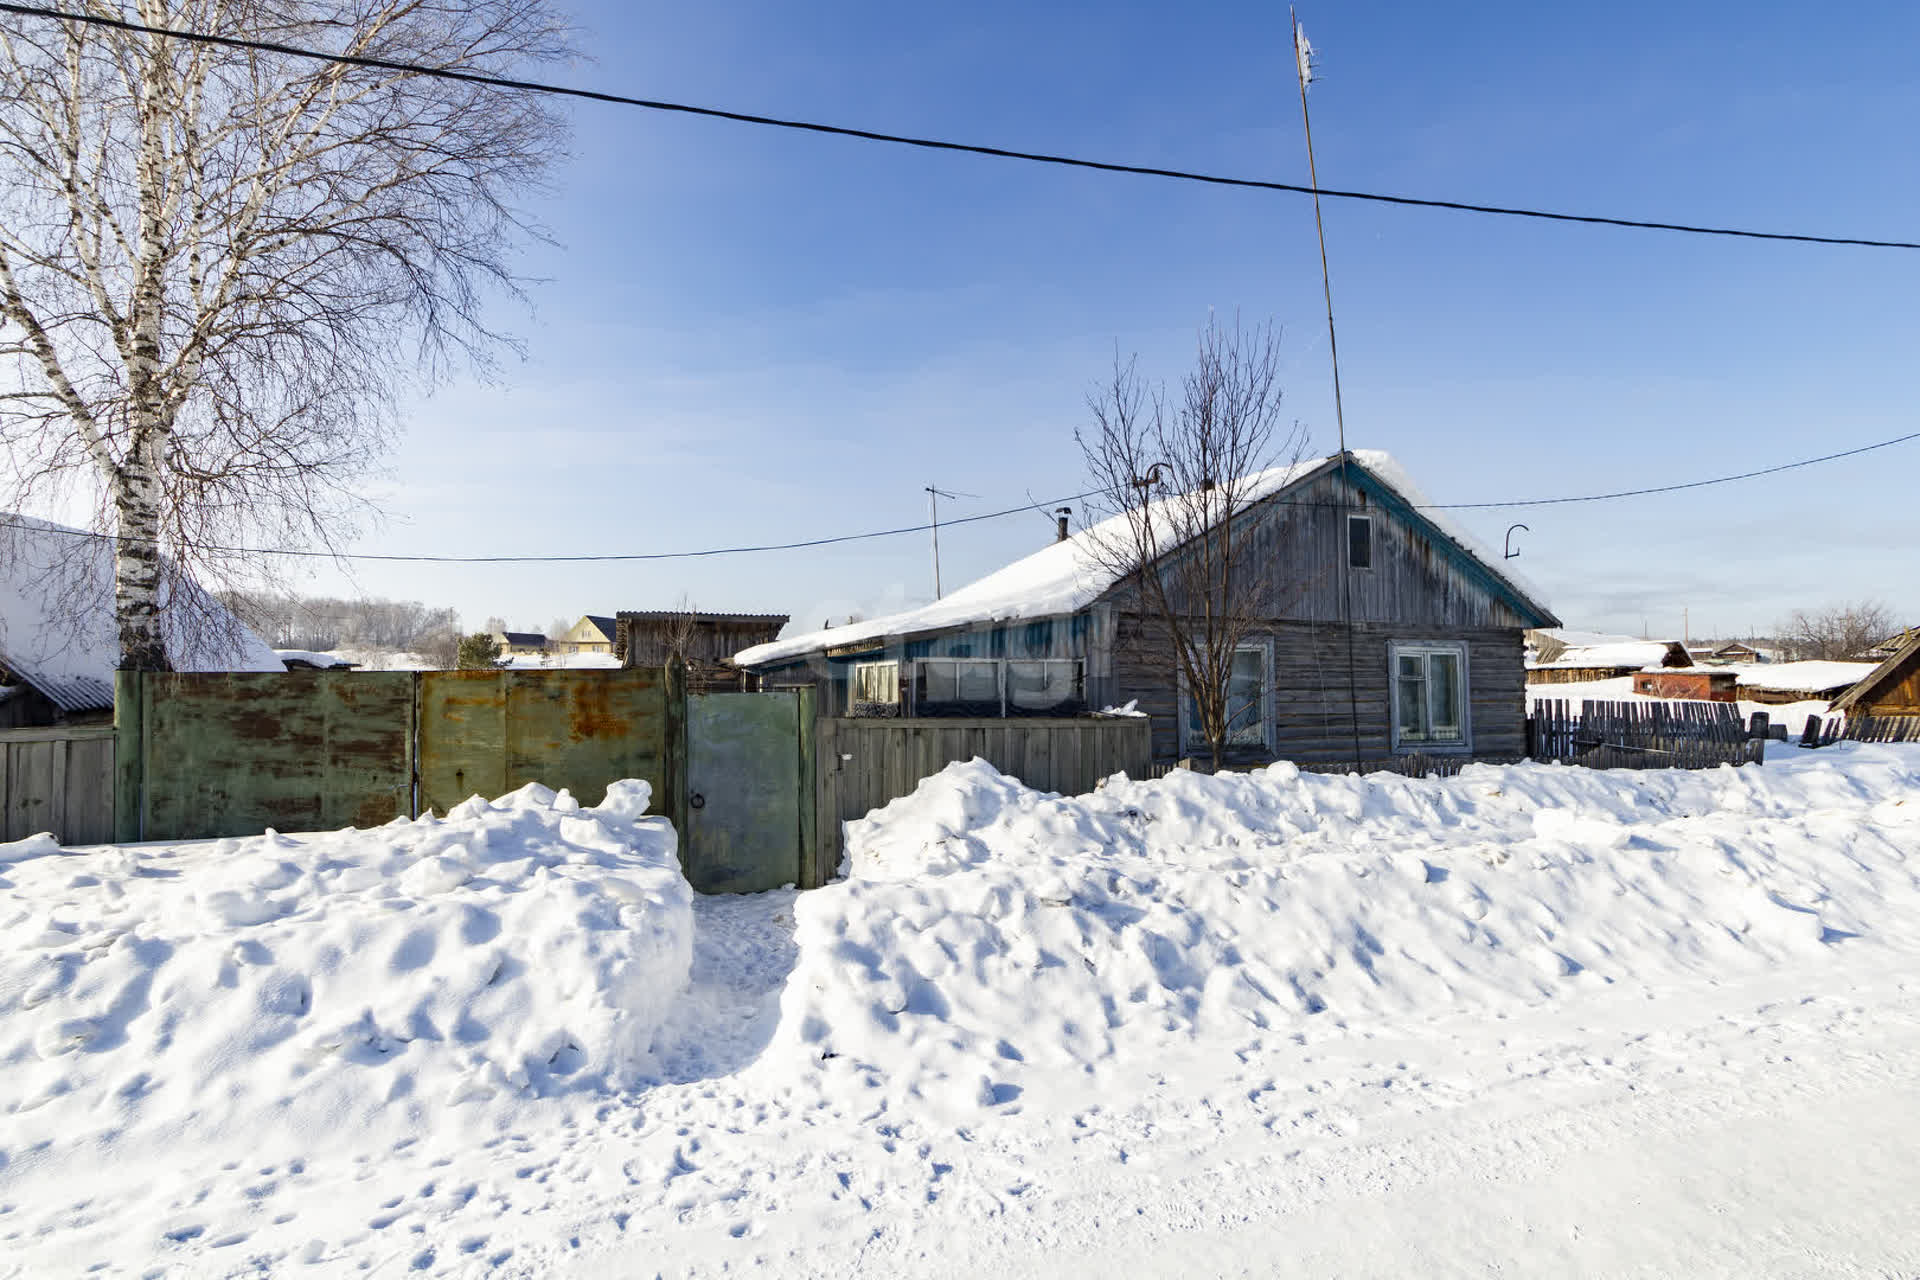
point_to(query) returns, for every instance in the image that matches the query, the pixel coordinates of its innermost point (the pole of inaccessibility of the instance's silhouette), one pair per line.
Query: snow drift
(338, 982)
(992, 941)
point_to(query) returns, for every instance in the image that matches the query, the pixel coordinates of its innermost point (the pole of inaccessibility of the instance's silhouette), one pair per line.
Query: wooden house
(1396, 636)
(1890, 689)
(514, 644)
(1579, 657)
(1735, 652)
(592, 634)
(706, 642)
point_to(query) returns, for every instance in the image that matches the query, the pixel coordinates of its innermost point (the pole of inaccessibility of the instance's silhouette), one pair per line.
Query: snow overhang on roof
(1065, 577)
(56, 618)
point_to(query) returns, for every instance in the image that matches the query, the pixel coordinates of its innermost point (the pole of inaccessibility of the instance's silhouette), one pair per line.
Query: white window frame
(1368, 521)
(1422, 648)
(1192, 740)
(853, 680)
(999, 678)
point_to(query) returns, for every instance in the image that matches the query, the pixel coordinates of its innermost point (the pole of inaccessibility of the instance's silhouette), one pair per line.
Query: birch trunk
(219, 270)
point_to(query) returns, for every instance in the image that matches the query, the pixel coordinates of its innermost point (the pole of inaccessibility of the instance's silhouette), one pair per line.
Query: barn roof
(56, 618)
(1069, 575)
(1895, 669)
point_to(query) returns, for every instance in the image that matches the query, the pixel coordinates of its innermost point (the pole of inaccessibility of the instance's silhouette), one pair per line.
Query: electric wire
(838, 539)
(932, 144)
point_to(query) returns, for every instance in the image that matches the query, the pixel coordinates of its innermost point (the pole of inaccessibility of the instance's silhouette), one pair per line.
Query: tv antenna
(933, 522)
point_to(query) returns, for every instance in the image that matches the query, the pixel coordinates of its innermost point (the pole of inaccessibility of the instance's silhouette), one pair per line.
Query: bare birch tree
(219, 269)
(1175, 475)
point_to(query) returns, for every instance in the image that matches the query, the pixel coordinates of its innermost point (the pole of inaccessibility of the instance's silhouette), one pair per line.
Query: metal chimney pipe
(1060, 515)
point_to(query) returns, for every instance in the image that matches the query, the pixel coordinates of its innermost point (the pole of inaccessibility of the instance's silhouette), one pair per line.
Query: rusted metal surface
(232, 754)
(488, 732)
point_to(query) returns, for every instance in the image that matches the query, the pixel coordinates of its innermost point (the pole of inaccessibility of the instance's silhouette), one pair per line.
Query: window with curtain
(873, 689)
(1429, 695)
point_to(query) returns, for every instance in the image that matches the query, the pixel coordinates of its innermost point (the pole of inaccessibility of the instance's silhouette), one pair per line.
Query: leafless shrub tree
(1174, 475)
(1839, 632)
(218, 269)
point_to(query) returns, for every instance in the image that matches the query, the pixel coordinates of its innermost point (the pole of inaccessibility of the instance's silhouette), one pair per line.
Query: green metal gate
(749, 802)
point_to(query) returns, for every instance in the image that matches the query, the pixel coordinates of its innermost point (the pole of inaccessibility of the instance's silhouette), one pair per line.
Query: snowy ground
(1526, 1021)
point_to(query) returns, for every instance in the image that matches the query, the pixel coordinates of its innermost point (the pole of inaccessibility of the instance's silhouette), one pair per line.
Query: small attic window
(1360, 542)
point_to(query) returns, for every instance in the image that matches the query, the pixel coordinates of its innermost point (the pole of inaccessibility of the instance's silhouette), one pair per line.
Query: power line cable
(931, 144)
(616, 557)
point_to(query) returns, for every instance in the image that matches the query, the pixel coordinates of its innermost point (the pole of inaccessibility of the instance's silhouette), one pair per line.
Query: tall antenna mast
(933, 522)
(1303, 69)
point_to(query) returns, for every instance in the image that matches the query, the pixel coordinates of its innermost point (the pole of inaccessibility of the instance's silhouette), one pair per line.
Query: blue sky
(748, 335)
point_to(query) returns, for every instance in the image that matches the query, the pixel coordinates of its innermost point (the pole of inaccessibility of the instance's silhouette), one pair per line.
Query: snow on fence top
(56, 617)
(1067, 576)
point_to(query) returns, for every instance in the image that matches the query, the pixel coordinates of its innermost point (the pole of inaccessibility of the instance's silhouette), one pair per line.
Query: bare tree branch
(1179, 476)
(219, 270)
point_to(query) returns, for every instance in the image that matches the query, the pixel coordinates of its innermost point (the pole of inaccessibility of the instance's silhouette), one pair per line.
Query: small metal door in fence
(749, 790)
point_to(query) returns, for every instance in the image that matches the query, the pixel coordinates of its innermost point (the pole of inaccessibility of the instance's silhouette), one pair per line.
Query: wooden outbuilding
(1890, 689)
(705, 642)
(1700, 684)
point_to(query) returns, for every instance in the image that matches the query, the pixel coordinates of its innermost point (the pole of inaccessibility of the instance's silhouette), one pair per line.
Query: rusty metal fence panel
(488, 732)
(235, 754)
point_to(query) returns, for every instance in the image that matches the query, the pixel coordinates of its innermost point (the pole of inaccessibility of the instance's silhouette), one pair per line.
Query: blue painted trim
(1475, 569)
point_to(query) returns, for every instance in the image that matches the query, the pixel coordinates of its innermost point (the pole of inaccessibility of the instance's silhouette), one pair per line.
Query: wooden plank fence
(57, 779)
(865, 763)
(1643, 735)
(1824, 731)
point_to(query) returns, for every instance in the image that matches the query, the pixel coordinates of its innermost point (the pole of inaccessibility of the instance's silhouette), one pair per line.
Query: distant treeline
(326, 623)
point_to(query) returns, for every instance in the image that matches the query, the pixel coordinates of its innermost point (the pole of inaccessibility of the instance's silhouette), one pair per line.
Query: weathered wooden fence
(865, 763)
(57, 779)
(1641, 735)
(1824, 731)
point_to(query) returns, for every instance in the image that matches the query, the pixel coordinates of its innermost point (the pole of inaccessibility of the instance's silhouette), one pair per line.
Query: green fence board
(488, 732)
(301, 751)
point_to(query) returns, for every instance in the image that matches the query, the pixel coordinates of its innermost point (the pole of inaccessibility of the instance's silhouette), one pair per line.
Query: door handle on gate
(697, 801)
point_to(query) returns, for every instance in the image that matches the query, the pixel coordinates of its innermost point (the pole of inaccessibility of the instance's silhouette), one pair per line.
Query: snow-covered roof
(56, 618)
(1801, 677)
(1067, 576)
(312, 658)
(1561, 648)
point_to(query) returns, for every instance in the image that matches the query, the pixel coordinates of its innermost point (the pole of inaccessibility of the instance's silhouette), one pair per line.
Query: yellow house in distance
(592, 634)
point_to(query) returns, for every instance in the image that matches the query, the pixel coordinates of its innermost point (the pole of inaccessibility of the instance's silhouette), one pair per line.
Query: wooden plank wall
(1415, 578)
(864, 764)
(58, 779)
(1310, 702)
